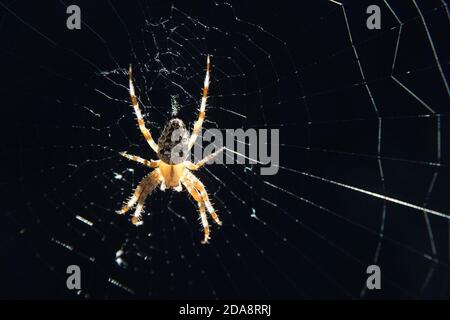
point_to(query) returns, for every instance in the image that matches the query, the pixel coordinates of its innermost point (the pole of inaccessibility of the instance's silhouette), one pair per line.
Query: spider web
(363, 176)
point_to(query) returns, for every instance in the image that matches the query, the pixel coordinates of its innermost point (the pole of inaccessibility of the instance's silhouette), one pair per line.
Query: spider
(172, 172)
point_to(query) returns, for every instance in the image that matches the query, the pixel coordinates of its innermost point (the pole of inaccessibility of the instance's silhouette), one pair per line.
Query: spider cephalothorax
(172, 170)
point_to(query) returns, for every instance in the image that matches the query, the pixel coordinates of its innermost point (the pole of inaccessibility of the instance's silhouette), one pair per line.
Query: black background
(299, 250)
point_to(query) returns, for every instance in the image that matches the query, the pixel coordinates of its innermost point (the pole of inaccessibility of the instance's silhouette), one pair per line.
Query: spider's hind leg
(201, 115)
(140, 120)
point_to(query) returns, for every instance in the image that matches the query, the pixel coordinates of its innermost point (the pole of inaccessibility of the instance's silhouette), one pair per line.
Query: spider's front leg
(206, 237)
(189, 185)
(144, 188)
(202, 190)
(198, 192)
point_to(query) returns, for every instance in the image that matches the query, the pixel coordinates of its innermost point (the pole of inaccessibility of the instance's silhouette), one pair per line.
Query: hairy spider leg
(145, 162)
(189, 185)
(136, 219)
(202, 210)
(201, 115)
(202, 190)
(134, 101)
(201, 163)
(146, 185)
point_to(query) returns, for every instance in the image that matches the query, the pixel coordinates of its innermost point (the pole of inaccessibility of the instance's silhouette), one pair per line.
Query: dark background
(311, 239)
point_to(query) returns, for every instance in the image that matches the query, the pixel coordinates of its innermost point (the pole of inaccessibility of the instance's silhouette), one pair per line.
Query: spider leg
(201, 207)
(134, 101)
(147, 184)
(133, 199)
(201, 189)
(201, 115)
(201, 163)
(145, 162)
(136, 219)
(151, 184)
(189, 185)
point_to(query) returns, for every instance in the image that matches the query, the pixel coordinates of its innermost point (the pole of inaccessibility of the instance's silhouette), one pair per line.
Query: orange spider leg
(145, 162)
(134, 101)
(201, 189)
(147, 185)
(201, 115)
(189, 185)
(133, 199)
(201, 207)
(201, 163)
(154, 181)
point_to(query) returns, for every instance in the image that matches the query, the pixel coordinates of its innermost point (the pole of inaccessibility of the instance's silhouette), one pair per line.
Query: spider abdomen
(173, 142)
